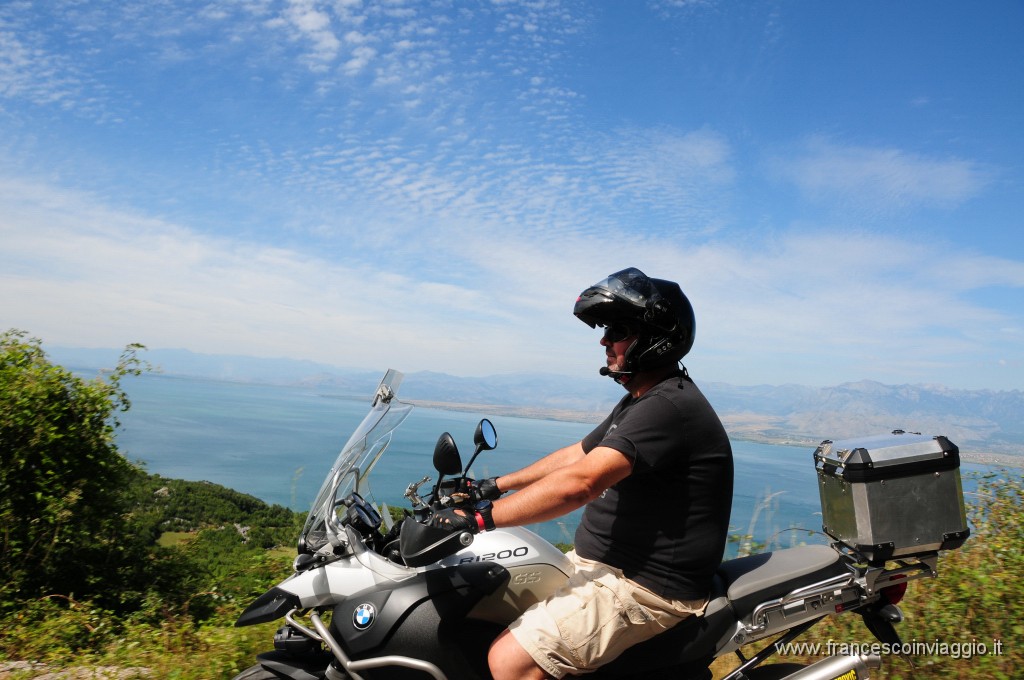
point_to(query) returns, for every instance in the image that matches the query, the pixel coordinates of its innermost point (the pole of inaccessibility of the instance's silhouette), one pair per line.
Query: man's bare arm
(542, 468)
(564, 489)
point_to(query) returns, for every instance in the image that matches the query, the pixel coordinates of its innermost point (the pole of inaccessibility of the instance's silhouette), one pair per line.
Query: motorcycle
(373, 598)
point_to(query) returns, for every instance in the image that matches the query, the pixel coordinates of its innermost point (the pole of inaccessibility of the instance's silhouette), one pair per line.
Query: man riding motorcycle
(656, 480)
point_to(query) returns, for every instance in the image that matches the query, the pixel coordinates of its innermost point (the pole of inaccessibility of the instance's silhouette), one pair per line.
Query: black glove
(487, 489)
(451, 520)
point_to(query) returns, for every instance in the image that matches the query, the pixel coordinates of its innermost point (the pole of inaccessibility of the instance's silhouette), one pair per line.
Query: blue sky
(428, 185)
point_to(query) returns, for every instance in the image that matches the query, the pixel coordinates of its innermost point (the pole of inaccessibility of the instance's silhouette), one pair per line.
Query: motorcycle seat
(749, 581)
(683, 651)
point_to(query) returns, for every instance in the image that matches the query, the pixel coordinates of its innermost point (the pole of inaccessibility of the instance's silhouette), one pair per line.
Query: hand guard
(451, 520)
(487, 489)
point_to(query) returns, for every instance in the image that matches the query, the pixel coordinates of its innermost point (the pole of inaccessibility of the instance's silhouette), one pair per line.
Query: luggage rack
(806, 603)
(874, 578)
(838, 593)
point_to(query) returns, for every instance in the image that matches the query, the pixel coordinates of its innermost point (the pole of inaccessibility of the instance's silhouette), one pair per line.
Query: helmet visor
(630, 284)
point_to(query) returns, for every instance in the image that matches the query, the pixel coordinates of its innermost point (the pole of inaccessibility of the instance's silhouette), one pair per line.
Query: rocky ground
(23, 670)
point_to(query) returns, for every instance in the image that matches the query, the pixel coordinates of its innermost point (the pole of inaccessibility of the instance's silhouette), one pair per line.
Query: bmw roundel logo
(363, 616)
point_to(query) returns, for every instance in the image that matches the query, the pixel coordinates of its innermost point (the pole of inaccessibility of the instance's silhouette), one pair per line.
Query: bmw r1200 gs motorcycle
(373, 599)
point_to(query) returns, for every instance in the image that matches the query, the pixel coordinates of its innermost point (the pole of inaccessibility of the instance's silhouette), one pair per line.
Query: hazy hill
(980, 421)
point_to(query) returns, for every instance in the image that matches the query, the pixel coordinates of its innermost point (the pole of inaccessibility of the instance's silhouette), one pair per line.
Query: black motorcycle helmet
(655, 309)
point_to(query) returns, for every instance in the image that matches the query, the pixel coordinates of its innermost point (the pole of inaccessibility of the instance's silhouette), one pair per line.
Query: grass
(171, 539)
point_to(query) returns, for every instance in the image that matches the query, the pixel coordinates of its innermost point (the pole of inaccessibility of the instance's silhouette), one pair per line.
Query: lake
(277, 443)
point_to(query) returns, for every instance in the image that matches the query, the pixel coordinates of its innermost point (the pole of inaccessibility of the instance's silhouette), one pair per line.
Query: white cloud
(666, 164)
(315, 26)
(881, 177)
(77, 272)
(356, 38)
(361, 57)
(858, 305)
(982, 271)
(29, 71)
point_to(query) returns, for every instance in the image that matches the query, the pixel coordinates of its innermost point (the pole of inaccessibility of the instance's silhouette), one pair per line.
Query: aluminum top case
(892, 496)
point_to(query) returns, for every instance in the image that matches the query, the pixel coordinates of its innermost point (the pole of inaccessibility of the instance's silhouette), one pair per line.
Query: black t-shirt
(666, 524)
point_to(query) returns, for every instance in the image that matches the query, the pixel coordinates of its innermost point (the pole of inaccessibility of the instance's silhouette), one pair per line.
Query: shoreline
(736, 430)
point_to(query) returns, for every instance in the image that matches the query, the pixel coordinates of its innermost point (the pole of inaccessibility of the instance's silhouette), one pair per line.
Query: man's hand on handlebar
(454, 520)
(487, 489)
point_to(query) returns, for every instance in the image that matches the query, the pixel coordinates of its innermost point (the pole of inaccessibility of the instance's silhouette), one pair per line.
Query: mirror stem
(465, 473)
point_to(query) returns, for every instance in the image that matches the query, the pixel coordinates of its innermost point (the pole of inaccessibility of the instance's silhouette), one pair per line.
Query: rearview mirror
(486, 437)
(447, 460)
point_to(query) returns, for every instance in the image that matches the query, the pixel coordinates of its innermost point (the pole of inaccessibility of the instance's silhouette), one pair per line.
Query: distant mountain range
(987, 425)
(979, 421)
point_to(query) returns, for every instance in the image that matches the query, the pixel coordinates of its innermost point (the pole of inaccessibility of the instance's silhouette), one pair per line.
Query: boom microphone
(605, 370)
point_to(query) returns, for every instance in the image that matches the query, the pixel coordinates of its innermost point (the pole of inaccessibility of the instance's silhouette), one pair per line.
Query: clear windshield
(357, 458)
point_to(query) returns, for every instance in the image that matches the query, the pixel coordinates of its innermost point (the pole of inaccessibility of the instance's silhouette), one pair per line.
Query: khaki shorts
(594, 618)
